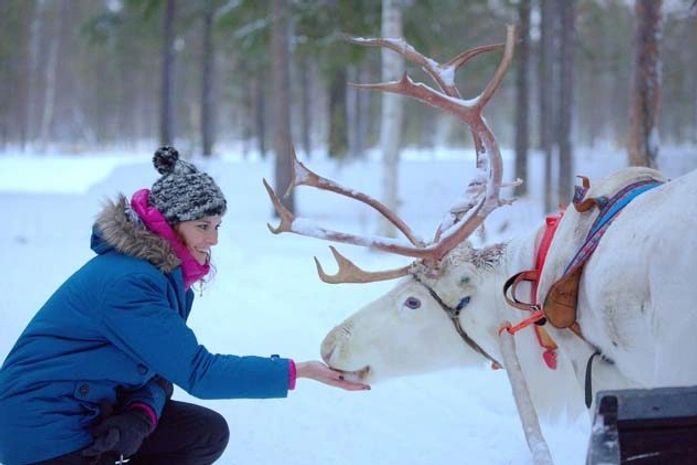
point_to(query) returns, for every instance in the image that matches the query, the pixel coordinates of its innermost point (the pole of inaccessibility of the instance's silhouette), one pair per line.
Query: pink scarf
(155, 222)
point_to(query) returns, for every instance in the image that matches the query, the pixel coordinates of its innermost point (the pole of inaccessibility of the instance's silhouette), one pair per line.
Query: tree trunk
(646, 85)
(391, 119)
(364, 114)
(51, 69)
(358, 112)
(166, 91)
(281, 101)
(693, 136)
(522, 104)
(338, 132)
(207, 83)
(546, 93)
(260, 117)
(305, 106)
(692, 36)
(351, 112)
(567, 15)
(25, 74)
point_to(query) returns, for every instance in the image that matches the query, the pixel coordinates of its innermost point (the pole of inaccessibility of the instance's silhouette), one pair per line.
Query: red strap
(551, 223)
(533, 276)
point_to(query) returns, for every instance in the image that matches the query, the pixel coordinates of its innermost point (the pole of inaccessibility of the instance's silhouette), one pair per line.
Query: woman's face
(199, 236)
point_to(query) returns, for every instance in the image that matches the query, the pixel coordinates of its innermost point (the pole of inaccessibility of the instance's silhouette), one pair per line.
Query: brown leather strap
(587, 203)
(512, 284)
(560, 303)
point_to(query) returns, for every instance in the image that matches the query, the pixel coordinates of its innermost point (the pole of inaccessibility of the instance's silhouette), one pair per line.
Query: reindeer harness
(454, 315)
(559, 307)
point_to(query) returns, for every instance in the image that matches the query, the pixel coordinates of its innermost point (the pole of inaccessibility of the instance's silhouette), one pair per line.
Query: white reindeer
(637, 297)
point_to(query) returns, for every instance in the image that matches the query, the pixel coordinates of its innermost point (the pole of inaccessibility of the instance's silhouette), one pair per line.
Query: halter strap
(454, 315)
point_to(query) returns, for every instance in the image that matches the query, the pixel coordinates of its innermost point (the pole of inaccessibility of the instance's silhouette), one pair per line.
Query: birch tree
(391, 119)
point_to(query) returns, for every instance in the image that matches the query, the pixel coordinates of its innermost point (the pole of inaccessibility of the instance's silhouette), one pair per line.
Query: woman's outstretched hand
(322, 373)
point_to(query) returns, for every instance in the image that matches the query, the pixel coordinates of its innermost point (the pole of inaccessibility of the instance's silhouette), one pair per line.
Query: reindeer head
(410, 329)
(447, 275)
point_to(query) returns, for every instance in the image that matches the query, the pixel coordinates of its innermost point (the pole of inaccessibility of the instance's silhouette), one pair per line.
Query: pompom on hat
(183, 193)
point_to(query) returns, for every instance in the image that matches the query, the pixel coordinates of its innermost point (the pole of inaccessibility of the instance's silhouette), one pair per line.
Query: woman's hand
(322, 373)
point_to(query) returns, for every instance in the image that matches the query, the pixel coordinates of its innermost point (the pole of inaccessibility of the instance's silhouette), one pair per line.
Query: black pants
(186, 434)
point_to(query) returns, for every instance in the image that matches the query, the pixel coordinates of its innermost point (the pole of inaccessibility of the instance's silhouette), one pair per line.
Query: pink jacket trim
(150, 412)
(292, 375)
(155, 222)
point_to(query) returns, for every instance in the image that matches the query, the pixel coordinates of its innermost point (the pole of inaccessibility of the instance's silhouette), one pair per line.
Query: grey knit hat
(183, 193)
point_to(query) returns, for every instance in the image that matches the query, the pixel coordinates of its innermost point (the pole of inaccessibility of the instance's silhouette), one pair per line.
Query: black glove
(122, 433)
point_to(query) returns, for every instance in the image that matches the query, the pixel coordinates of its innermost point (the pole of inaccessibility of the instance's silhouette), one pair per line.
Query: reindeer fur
(637, 304)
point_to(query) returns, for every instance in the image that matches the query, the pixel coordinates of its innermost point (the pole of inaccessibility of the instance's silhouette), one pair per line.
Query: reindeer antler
(302, 176)
(350, 273)
(484, 194)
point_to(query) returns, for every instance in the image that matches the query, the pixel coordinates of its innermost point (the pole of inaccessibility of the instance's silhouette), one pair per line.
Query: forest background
(255, 76)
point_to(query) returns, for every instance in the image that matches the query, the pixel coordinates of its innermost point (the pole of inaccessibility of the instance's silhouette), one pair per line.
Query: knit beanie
(183, 193)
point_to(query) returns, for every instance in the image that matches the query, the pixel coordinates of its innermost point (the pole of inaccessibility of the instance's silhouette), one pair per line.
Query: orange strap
(512, 329)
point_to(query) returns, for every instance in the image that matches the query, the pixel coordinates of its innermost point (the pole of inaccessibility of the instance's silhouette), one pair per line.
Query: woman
(89, 380)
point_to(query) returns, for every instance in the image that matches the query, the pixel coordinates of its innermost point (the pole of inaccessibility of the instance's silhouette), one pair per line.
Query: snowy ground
(267, 299)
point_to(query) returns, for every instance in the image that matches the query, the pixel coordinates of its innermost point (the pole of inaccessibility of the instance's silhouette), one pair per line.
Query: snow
(266, 298)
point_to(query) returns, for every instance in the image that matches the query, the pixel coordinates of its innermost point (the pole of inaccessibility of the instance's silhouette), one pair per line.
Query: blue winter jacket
(111, 328)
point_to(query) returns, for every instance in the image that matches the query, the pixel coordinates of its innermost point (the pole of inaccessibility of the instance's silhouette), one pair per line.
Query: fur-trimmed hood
(119, 228)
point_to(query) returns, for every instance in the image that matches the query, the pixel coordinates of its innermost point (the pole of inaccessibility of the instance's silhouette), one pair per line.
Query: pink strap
(292, 375)
(551, 223)
(148, 411)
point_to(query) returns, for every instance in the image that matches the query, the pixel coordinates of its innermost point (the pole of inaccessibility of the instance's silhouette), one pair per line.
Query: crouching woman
(89, 380)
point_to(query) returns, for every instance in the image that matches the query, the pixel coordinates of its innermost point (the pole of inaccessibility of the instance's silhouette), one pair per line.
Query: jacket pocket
(93, 392)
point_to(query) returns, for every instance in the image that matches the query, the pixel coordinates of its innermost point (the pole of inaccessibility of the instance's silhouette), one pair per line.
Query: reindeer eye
(412, 302)
(463, 302)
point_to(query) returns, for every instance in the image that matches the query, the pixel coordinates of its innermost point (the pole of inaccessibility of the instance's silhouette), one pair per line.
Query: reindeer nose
(327, 349)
